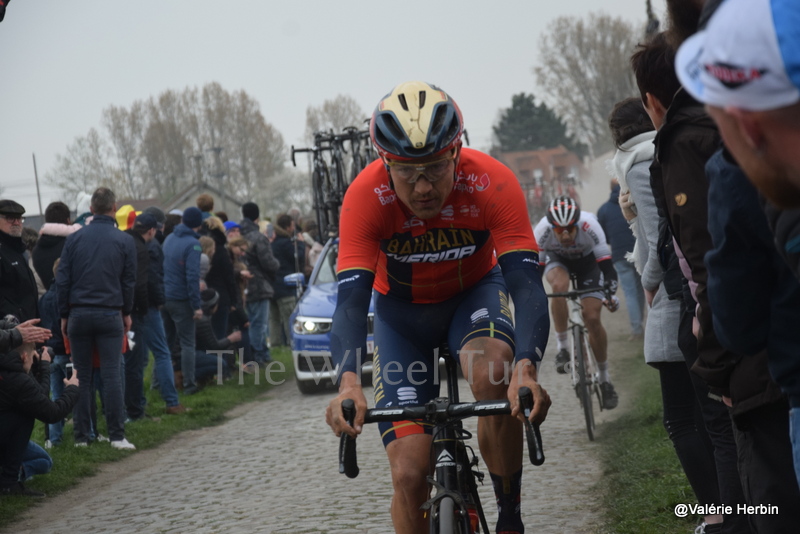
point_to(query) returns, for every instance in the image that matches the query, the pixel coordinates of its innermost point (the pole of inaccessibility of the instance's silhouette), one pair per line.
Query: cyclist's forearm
(349, 329)
(531, 318)
(348, 380)
(607, 268)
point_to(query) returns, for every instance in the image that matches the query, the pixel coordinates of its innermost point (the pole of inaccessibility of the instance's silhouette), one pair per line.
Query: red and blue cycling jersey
(484, 221)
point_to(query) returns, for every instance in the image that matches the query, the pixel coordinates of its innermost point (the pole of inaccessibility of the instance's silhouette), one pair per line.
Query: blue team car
(311, 326)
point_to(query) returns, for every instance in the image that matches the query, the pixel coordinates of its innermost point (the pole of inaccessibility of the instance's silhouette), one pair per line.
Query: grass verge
(643, 479)
(209, 406)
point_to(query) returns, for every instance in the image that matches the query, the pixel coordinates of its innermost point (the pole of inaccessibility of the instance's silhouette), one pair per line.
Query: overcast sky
(62, 63)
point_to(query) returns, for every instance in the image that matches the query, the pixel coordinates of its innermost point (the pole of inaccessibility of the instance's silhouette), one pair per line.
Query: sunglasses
(410, 172)
(562, 229)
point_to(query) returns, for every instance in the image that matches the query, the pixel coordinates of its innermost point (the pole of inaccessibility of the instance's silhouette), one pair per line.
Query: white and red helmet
(563, 211)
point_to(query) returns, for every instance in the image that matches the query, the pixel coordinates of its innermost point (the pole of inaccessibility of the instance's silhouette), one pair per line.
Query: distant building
(543, 175)
(549, 164)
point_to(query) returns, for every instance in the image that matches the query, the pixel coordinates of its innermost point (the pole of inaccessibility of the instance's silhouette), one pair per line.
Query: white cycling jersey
(590, 239)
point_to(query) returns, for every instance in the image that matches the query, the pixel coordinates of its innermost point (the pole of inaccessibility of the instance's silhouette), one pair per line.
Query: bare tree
(84, 168)
(153, 145)
(291, 187)
(585, 70)
(335, 114)
(125, 131)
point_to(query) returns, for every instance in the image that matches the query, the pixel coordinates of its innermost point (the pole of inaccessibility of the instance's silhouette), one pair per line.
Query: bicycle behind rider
(573, 242)
(441, 232)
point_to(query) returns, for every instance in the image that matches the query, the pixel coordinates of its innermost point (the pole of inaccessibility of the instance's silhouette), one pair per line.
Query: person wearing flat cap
(18, 293)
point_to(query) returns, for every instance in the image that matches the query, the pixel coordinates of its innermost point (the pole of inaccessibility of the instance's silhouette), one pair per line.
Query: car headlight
(311, 325)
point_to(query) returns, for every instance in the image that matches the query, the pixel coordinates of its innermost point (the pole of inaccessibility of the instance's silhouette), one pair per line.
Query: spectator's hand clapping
(73, 380)
(32, 333)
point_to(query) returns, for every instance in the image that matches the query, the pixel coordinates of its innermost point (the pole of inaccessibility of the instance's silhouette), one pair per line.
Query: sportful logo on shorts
(483, 313)
(407, 395)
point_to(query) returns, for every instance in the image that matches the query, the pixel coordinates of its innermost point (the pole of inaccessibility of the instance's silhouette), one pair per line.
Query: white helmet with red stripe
(563, 211)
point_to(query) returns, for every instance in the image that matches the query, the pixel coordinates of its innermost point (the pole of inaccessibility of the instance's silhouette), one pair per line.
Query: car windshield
(327, 268)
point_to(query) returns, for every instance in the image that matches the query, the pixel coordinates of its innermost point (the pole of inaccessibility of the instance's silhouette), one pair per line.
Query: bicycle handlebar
(348, 461)
(575, 293)
(532, 434)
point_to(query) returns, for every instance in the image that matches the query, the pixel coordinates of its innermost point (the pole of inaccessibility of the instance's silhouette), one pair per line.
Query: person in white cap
(745, 66)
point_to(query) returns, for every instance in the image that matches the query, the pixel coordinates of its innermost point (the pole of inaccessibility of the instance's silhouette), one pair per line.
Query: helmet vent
(402, 98)
(422, 95)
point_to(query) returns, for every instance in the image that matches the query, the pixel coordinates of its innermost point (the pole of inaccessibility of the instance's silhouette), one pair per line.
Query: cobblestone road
(272, 468)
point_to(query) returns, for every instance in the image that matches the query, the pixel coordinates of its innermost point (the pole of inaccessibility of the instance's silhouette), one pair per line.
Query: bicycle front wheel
(584, 383)
(446, 517)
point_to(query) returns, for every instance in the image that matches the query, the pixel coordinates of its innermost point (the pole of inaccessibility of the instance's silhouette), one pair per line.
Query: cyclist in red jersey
(441, 234)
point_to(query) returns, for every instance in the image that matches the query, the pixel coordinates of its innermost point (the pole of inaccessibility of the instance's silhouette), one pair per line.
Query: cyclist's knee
(558, 280)
(591, 315)
(487, 364)
(409, 474)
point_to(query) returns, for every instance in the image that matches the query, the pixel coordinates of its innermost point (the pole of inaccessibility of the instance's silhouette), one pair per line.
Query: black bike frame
(445, 413)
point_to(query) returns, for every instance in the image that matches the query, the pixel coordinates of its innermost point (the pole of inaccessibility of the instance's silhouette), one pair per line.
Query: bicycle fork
(452, 471)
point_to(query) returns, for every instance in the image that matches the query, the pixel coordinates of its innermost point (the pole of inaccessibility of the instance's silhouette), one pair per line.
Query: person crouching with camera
(24, 397)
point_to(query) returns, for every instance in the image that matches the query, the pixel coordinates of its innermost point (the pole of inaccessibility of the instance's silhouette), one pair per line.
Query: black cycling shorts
(407, 336)
(586, 270)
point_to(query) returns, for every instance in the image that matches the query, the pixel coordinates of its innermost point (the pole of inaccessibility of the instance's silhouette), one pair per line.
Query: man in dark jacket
(57, 226)
(622, 241)
(95, 282)
(154, 337)
(182, 291)
(291, 253)
(760, 332)
(23, 399)
(18, 292)
(143, 230)
(263, 266)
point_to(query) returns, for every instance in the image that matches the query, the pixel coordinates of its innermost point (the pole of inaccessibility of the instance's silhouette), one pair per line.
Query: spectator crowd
(84, 304)
(704, 214)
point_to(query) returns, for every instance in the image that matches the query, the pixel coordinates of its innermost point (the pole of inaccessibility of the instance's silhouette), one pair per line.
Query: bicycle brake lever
(532, 434)
(348, 463)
